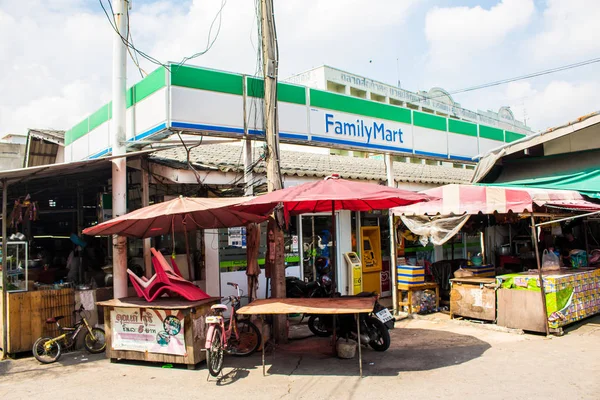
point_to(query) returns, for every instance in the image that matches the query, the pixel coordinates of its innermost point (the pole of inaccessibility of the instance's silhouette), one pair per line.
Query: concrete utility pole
(270, 58)
(119, 165)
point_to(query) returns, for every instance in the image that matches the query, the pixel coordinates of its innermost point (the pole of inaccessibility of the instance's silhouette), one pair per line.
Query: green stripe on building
(150, 84)
(429, 121)
(461, 127)
(285, 92)
(100, 116)
(215, 81)
(512, 136)
(352, 105)
(76, 132)
(155, 81)
(488, 132)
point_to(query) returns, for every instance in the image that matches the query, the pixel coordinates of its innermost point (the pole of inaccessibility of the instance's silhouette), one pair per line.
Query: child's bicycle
(238, 337)
(48, 350)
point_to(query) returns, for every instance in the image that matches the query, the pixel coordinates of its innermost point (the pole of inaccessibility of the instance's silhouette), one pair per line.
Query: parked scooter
(374, 326)
(322, 287)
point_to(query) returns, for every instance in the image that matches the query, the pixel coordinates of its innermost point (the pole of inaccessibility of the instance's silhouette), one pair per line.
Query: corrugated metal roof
(49, 134)
(228, 158)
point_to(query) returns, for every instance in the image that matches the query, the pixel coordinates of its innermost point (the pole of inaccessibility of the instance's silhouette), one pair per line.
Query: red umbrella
(333, 194)
(182, 214)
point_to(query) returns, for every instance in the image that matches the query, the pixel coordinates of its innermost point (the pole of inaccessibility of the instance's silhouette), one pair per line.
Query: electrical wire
(210, 40)
(514, 79)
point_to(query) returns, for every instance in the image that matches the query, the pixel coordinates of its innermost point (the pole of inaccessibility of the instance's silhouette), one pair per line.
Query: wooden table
(415, 288)
(330, 306)
(138, 330)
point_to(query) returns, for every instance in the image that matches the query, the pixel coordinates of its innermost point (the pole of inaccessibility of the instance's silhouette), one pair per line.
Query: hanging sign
(148, 330)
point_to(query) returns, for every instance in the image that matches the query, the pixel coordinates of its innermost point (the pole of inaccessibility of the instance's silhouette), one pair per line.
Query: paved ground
(428, 359)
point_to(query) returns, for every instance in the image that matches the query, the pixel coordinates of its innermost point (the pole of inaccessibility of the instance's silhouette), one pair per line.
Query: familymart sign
(186, 98)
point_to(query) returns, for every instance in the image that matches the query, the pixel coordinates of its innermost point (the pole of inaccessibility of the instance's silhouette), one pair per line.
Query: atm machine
(354, 264)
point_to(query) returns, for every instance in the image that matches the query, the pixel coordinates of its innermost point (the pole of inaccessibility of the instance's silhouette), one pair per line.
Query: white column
(119, 165)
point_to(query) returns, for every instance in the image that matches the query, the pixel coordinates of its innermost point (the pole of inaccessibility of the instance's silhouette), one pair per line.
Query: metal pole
(4, 274)
(264, 321)
(389, 169)
(359, 346)
(119, 165)
(539, 267)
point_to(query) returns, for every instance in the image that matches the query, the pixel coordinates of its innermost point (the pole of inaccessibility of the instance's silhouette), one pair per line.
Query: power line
(515, 79)
(129, 43)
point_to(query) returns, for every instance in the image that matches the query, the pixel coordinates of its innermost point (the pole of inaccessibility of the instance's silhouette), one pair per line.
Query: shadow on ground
(411, 350)
(25, 364)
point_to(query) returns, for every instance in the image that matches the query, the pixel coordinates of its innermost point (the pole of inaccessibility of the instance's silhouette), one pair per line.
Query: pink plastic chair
(149, 289)
(175, 283)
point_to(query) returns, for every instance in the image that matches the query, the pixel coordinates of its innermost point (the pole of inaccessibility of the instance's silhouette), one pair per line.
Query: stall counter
(571, 295)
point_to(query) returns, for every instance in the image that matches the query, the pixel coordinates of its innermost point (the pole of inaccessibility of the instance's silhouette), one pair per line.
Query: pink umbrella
(182, 214)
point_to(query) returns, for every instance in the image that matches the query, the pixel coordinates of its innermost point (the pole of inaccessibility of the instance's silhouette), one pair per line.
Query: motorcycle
(322, 287)
(374, 326)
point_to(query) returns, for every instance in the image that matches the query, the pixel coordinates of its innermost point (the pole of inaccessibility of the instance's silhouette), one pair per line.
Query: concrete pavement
(428, 359)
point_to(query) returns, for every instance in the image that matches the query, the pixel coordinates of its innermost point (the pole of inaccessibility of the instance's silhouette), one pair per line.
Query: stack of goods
(570, 296)
(411, 275)
(425, 301)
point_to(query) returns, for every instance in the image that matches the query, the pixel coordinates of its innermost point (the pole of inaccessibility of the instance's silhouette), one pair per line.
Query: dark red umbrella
(332, 194)
(183, 214)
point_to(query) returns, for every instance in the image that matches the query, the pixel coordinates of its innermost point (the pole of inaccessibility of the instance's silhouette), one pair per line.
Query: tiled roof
(228, 158)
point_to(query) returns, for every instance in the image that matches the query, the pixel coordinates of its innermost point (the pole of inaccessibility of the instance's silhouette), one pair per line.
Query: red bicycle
(238, 337)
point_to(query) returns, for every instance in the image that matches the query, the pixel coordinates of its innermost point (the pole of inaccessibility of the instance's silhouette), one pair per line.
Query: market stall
(549, 211)
(168, 331)
(153, 327)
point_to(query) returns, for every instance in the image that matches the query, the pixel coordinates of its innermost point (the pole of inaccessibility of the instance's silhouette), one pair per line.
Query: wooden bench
(413, 288)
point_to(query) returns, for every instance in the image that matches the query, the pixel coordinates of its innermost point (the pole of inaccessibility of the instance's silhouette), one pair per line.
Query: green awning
(586, 182)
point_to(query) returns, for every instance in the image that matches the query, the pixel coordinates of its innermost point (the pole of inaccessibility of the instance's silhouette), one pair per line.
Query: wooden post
(4, 275)
(539, 267)
(145, 203)
(270, 58)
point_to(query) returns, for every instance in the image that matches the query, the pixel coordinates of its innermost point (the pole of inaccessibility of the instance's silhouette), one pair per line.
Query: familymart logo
(362, 129)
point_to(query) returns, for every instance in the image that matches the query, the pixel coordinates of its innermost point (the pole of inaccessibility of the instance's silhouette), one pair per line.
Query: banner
(148, 330)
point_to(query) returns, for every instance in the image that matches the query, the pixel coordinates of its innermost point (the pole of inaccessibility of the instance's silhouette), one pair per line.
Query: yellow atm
(370, 251)
(354, 273)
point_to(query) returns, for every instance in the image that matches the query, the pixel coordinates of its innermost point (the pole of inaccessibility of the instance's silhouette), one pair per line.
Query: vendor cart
(168, 331)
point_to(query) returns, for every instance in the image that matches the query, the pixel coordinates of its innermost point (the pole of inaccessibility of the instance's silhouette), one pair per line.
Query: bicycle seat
(222, 307)
(54, 320)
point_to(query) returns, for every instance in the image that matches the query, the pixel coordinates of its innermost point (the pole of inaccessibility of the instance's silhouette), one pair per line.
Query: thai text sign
(148, 330)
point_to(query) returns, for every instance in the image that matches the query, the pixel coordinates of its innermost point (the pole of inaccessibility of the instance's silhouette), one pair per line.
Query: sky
(57, 54)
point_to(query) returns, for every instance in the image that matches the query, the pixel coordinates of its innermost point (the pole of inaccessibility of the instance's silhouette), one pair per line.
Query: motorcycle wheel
(375, 326)
(318, 326)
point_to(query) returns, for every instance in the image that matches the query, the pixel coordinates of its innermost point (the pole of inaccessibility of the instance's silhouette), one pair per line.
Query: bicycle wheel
(214, 355)
(97, 343)
(46, 354)
(249, 339)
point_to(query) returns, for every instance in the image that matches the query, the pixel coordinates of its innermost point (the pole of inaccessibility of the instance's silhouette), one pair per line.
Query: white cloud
(457, 34)
(570, 32)
(58, 69)
(555, 104)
